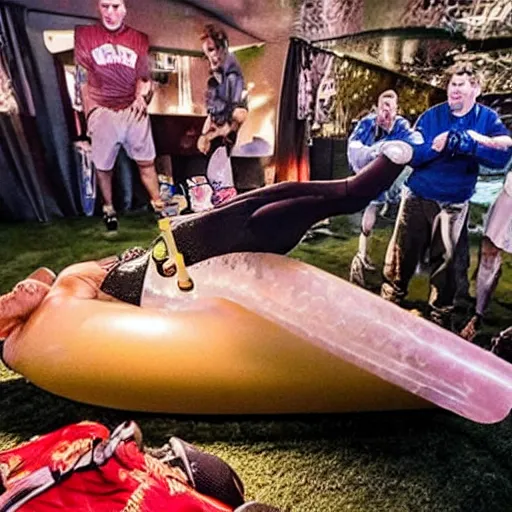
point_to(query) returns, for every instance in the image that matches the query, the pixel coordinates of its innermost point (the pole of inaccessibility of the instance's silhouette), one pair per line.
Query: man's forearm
(480, 147)
(423, 151)
(495, 151)
(496, 142)
(422, 154)
(491, 157)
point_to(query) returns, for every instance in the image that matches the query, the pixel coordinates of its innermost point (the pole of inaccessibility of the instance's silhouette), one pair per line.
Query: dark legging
(275, 218)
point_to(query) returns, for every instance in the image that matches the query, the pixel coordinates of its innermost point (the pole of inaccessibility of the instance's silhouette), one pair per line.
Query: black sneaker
(111, 223)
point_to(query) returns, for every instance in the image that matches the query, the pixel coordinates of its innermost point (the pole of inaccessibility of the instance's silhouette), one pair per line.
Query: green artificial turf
(427, 460)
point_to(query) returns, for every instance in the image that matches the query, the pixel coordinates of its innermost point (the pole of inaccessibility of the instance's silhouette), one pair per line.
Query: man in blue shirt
(454, 138)
(364, 145)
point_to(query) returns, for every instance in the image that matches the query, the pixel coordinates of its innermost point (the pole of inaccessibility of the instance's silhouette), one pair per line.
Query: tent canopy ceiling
(417, 38)
(170, 24)
(268, 20)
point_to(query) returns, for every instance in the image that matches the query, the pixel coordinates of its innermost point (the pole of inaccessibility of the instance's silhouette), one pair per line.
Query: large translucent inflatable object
(258, 333)
(353, 324)
(205, 356)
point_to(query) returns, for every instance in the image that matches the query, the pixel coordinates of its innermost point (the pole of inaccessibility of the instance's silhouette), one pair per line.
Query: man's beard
(456, 106)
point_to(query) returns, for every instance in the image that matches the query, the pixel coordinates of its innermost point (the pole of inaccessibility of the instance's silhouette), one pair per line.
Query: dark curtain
(292, 153)
(37, 160)
(20, 194)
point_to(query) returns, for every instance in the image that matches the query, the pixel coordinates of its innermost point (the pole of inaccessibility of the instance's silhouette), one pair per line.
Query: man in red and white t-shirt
(115, 89)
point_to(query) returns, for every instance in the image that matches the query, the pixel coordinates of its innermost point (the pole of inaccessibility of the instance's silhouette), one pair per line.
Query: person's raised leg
(275, 218)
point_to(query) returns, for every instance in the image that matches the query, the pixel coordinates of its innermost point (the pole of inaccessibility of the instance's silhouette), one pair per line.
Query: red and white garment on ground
(83, 467)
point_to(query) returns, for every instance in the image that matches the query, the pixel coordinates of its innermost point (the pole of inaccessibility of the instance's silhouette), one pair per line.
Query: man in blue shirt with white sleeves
(454, 138)
(364, 146)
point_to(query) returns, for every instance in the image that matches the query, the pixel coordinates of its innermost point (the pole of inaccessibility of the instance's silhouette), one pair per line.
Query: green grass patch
(372, 462)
